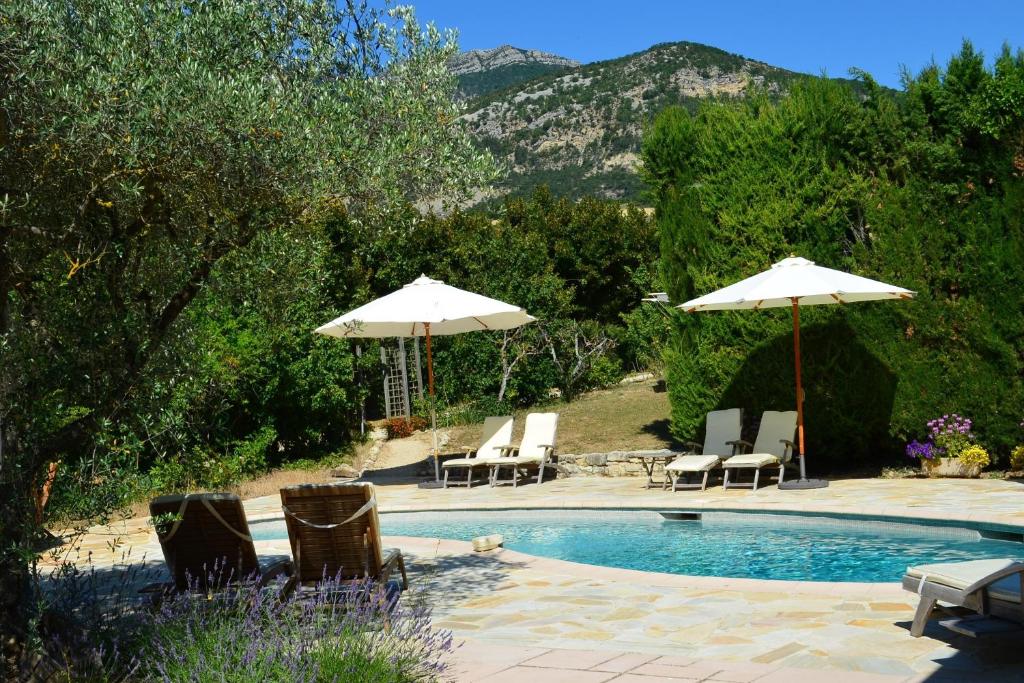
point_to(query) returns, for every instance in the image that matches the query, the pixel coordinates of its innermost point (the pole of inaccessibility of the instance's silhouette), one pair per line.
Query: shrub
(899, 189)
(1017, 458)
(400, 427)
(974, 456)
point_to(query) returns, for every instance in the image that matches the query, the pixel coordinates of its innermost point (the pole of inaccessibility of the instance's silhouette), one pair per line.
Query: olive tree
(143, 142)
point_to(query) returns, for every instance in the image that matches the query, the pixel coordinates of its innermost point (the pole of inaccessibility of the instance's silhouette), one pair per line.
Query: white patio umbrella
(426, 308)
(796, 282)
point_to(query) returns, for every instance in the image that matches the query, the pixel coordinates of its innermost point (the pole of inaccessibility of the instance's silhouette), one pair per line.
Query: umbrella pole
(799, 388)
(433, 414)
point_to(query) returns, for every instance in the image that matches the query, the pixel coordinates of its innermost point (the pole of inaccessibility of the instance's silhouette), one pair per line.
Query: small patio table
(650, 460)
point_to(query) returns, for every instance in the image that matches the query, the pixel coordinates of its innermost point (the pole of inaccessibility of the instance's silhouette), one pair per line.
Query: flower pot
(949, 467)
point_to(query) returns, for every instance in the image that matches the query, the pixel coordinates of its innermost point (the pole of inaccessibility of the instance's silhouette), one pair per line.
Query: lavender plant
(337, 632)
(97, 627)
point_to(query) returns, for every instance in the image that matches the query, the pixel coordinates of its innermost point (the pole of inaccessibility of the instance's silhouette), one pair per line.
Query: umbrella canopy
(426, 308)
(796, 282)
(795, 278)
(426, 304)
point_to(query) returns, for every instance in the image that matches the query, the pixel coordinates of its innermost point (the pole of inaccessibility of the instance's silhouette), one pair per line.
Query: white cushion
(540, 431)
(465, 462)
(693, 463)
(751, 460)
(497, 432)
(961, 575)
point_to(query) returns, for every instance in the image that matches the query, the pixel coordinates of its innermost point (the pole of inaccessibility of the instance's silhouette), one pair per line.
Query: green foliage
(576, 266)
(162, 172)
(923, 190)
(479, 83)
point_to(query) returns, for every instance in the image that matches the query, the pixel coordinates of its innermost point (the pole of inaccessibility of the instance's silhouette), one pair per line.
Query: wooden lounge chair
(988, 587)
(206, 542)
(536, 450)
(721, 434)
(497, 432)
(773, 447)
(334, 533)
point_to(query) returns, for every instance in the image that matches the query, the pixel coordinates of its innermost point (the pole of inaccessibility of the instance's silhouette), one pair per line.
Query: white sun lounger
(497, 432)
(535, 450)
(989, 587)
(721, 435)
(773, 447)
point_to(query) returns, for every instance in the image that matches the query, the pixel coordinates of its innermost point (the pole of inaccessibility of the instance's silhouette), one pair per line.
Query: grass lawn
(626, 417)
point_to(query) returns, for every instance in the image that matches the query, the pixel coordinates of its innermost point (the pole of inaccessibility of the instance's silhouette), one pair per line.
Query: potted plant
(950, 450)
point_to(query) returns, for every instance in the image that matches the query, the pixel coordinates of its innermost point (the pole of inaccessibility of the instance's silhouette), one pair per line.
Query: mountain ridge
(578, 129)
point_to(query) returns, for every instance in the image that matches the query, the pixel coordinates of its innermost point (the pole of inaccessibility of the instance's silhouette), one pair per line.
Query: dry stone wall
(613, 464)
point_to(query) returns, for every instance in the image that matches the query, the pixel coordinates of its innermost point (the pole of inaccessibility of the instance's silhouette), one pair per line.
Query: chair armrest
(740, 444)
(395, 562)
(790, 449)
(468, 450)
(279, 568)
(507, 449)
(694, 446)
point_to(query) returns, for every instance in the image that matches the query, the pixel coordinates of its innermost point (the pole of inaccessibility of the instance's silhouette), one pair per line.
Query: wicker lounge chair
(497, 432)
(721, 434)
(334, 533)
(536, 450)
(206, 542)
(773, 447)
(988, 587)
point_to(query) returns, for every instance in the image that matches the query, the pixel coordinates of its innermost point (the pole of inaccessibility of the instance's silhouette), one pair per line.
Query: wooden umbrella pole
(430, 362)
(430, 392)
(799, 386)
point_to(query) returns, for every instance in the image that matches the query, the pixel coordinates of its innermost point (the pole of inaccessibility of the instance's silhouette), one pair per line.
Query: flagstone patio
(555, 620)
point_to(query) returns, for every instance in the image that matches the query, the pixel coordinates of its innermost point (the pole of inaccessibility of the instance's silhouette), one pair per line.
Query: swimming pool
(710, 543)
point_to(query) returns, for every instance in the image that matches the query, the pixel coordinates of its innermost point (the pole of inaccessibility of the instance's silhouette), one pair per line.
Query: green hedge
(922, 189)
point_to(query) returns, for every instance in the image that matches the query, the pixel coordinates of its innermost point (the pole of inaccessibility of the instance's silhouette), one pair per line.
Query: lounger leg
(704, 484)
(469, 477)
(445, 485)
(540, 474)
(725, 479)
(782, 473)
(924, 610)
(757, 474)
(675, 478)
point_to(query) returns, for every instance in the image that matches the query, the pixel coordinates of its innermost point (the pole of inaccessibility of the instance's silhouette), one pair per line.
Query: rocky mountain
(480, 72)
(577, 129)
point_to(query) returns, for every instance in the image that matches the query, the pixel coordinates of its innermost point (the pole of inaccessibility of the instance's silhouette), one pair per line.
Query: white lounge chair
(773, 447)
(721, 434)
(989, 587)
(496, 433)
(535, 450)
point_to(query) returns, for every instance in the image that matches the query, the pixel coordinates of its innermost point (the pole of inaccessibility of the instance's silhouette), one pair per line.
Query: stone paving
(533, 611)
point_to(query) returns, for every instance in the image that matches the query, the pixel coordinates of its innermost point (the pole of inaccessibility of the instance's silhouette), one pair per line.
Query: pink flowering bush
(951, 434)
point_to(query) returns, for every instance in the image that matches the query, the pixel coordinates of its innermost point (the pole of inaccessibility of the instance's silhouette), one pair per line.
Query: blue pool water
(762, 546)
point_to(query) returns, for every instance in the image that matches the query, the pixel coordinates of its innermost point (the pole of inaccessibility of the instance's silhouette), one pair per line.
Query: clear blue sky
(802, 35)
